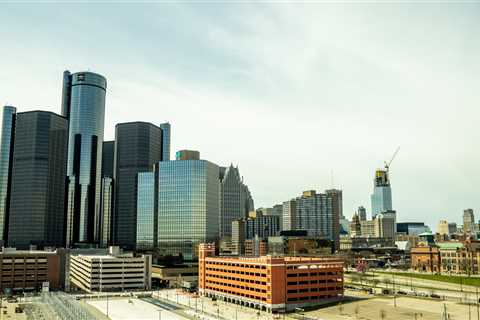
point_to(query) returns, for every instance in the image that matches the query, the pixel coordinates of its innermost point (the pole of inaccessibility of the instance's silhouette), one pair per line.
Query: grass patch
(468, 281)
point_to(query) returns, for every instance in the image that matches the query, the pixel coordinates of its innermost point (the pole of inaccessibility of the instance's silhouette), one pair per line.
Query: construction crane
(387, 164)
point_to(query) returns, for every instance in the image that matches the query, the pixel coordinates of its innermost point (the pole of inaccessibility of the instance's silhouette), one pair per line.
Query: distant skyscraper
(106, 198)
(83, 103)
(263, 226)
(138, 147)
(362, 213)
(382, 193)
(468, 221)
(187, 155)
(289, 219)
(316, 213)
(6, 153)
(188, 205)
(37, 198)
(235, 199)
(166, 136)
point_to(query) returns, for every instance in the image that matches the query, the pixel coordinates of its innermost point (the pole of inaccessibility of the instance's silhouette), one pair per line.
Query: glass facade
(188, 206)
(235, 199)
(83, 102)
(166, 130)
(8, 125)
(106, 211)
(137, 149)
(38, 180)
(146, 211)
(381, 198)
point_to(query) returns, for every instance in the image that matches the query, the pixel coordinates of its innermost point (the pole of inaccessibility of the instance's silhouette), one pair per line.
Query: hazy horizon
(286, 92)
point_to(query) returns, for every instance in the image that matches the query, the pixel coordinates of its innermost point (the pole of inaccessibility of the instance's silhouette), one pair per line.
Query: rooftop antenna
(331, 179)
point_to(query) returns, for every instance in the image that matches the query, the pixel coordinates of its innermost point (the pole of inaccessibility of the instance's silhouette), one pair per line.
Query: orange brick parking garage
(269, 283)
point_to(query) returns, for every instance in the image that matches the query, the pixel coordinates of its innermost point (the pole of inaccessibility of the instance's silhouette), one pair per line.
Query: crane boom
(387, 164)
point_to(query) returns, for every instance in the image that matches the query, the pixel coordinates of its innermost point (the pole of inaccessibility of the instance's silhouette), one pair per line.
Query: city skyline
(247, 101)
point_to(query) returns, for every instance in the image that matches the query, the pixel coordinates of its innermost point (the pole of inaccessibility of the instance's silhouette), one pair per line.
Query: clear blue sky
(288, 92)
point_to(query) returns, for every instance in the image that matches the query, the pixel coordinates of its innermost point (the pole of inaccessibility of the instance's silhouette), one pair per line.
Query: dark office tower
(334, 203)
(6, 152)
(106, 198)
(84, 104)
(38, 180)
(235, 199)
(138, 146)
(166, 130)
(66, 93)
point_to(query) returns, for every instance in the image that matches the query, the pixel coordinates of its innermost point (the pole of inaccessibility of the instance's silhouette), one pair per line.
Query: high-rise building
(37, 200)
(362, 213)
(289, 215)
(385, 225)
(6, 153)
(83, 104)
(317, 213)
(235, 199)
(262, 226)
(442, 228)
(238, 236)
(382, 193)
(147, 210)
(106, 198)
(355, 226)
(468, 221)
(188, 205)
(138, 147)
(166, 136)
(187, 155)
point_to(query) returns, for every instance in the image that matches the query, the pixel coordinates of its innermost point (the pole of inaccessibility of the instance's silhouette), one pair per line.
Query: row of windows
(238, 265)
(305, 290)
(237, 279)
(330, 280)
(241, 294)
(253, 274)
(313, 274)
(237, 286)
(311, 298)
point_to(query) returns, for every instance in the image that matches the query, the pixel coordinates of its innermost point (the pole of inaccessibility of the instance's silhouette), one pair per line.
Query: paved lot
(407, 308)
(128, 309)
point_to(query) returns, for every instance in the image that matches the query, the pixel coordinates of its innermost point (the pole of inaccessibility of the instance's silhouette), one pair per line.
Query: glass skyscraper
(382, 193)
(166, 130)
(147, 216)
(188, 206)
(83, 104)
(235, 199)
(138, 147)
(38, 180)
(106, 198)
(8, 126)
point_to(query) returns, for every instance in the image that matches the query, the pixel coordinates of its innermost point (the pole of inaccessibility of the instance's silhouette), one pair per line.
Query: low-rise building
(425, 259)
(270, 283)
(115, 271)
(29, 270)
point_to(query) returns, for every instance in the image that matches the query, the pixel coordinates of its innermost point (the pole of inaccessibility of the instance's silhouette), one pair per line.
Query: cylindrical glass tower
(86, 113)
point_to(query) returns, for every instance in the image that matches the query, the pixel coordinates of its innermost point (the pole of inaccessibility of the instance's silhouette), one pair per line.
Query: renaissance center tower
(83, 104)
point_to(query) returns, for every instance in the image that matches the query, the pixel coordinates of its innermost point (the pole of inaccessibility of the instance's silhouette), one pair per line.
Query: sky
(300, 95)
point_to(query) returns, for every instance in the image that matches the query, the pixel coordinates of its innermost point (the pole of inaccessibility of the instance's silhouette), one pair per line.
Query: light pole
(159, 314)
